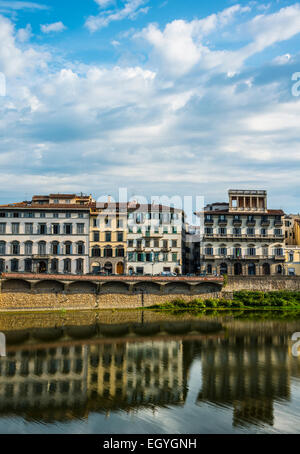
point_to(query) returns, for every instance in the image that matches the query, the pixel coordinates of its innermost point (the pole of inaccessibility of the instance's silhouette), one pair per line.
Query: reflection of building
(137, 373)
(46, 234)
(243, 237)
(248, 373)
(44, 381)
(108, 238)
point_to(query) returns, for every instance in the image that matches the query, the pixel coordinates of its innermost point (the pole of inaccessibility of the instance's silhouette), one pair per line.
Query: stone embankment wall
(262, 283)
(49, 301)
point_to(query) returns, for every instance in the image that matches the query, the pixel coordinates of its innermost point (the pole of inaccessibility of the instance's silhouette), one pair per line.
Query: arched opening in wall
(279, 269)
(120, 268)
(49, 286)
(177, 270)
(42, 267)
(238, 270)
(96, 267)
(130, 271)
(266, 269)
(82, 287)
(15, 285)
(114, 287)
(147, 288)
(251, 269)
(223, 269)
(177, 288)
(108, 268)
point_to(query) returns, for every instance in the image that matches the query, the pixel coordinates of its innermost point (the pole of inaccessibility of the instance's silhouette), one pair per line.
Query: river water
(175, 377)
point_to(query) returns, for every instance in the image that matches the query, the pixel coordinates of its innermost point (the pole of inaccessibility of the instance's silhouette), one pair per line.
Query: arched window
(209, 250)
(55, 248)
(68, 248)
(223, 250)
(237, 250)
(96, 252)
(279, 269)
(80, 248)
(120, 251)
(28, 248)
(108, 252)
(251, 250)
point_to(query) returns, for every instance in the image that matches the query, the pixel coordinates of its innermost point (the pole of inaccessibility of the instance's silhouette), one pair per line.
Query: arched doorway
(108, 268)
(223, 268)
(238, 270)
(120, 268)
(279, 269)
(42, 267)
(266, 269)
(251, 269)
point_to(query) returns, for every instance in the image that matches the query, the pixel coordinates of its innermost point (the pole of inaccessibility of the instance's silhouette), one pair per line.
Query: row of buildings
(69, 233)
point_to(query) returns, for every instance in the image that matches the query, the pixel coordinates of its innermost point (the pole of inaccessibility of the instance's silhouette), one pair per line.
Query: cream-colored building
(108, 238)
(292, 260)
(243, 237)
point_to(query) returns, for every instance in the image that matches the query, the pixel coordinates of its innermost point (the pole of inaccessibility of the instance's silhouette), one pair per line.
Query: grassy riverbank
(241, 300)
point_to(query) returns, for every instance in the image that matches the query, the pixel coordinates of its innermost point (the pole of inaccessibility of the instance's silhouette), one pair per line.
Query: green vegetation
(241, 300)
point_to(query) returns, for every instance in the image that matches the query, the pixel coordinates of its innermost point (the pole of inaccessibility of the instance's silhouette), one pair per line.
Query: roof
(130, 206)
(37, 206)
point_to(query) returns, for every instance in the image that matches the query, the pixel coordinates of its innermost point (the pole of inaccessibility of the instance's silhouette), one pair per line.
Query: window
(223, 251)
(29, 214)
(67, 266)
(2, 227)
(250, 231)
(120, 236)
(68, 248)
(94, 222)
(79, 266)
(237, 231)
(28, 265)
(119, 223)
(16, 215)
(28, 248)
(208, 230)
(278, 251)
(291, 257)
(68, 229)
(55, 215)
(80, 215)
(42, 248)
(108, 252)
(80, 248)
(55, 248)
(263, 232)
(96, 236)
(2, 266)
(107, 222)
(120, 252)
(14, 265)
(130, 243)
(252, 251)
(80, 229)
(174, 257)
(68, 215)
(107, 236)
(222, 231)
(2, 248)
(209, 250)
(2, 214)
(42, 229)
(42, 215)
(174, 229)
(55, 229)
(15, 248)
(156, 243)
(277, 232)
(28, 228)
(15, 228)
(96, 252)
(174, 243)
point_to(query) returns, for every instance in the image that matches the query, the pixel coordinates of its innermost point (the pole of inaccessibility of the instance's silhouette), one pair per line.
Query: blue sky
(161, 97)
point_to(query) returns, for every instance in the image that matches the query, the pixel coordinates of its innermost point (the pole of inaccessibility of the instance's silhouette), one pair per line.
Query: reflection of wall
(41, 378)
(137, 373)
(247, 372)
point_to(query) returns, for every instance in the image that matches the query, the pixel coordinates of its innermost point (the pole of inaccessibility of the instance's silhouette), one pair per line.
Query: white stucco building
(47, 234)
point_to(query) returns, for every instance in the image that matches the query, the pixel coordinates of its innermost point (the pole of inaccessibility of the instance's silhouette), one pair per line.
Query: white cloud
(24, 34)
(55, 27)
(130, 10)
(15, 5)
(104, 3)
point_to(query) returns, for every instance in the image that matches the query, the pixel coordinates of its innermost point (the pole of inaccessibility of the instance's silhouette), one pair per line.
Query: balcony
(208, 221)
(251, 223)
(279, 258)
(40, 256)
(265, 223)
(222, 221)
(278, 223)
(237, 222)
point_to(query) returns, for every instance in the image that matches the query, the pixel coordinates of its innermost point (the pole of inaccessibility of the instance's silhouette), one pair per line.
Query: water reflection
(247, 373)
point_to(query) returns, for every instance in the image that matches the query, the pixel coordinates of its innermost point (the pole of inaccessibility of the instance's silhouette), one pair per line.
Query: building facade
(154, 239)
(292, 260)
(47, 234)
(108, 238)
(243, 237)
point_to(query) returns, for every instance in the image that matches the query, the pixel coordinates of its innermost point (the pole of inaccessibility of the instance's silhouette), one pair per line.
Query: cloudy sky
(162, 97)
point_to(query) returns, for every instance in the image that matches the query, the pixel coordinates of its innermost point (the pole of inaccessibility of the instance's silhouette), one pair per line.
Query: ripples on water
(241, 379)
